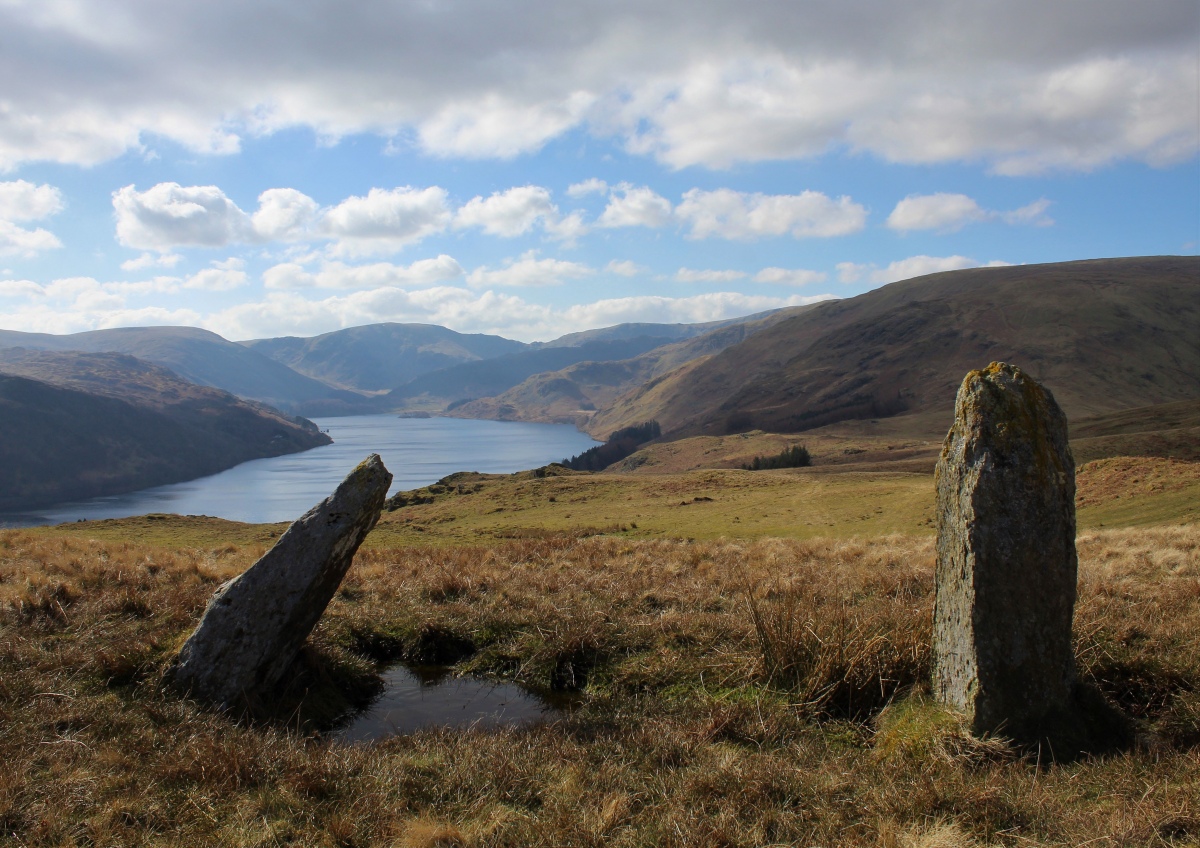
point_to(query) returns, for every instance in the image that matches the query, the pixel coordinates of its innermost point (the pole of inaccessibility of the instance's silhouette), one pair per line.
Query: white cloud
(635, 206)
(1024, 85)
(944, 212)
(528, 271)
(790, 276)
(151, 260)
(21, 288)
(730, 214)
(510, 213)
(591, 185)
(284, 214)
(224, 275)
(169, 215)
(386, 221)
(624, 268)
(851, 272)
(493, 126)
(905, 269)
(1033, 213)
(293, 313)
(948, 213)
(688, 275)
(337, 275)
(21, 200)
(18, 241)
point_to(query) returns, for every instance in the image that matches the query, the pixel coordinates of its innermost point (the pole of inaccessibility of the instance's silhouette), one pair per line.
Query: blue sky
(542, 168)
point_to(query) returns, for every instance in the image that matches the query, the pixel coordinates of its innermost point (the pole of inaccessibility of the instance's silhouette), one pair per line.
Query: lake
(418, 451)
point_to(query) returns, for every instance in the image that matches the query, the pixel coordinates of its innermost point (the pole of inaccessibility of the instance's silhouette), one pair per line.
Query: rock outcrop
(255, 624)
(1006, 562)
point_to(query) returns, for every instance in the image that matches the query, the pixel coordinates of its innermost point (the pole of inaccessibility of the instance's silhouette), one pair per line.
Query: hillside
(675, 332)
(206, 359)
(378, 357)
(75, 425)
(491, 377)
(569, 395)
(1103, 335)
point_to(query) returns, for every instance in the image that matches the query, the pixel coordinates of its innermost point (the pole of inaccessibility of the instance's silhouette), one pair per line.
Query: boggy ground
(760, 692)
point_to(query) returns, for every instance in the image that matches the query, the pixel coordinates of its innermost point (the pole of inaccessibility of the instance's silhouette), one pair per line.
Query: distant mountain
(206, 359)
(570, 394)
(78, 425)
(379, 357)
(490, 377)
(1103, 335)
(674, 332)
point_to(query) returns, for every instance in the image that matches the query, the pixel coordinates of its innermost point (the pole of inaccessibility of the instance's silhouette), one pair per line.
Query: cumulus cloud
(1022, 85)
(743, 216)
(293, 313)
(948, 213)
(511, 212)
(591, 185)
(624, 268)
(72, 304)
(168, 215)
(224, 275)
(385, 221)
(151, 260)
(26, 243)
(905, 269)
(500, 127)
(689, 275)
(528, 271)
(21, 200)
(790, 276)
(284, 214)
(338, 275)
(635, 206)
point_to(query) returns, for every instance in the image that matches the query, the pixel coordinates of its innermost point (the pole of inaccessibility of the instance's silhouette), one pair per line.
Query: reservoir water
(418, 451)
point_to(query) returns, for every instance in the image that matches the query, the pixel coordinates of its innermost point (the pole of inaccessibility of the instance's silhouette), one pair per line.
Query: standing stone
(1006, 564)
(255, 624)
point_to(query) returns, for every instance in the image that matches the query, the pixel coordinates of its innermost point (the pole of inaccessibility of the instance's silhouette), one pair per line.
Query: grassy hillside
(1103, 335)
(571, 394)
(692, 725)
(379, 357)
(206, 359)
(79, 425)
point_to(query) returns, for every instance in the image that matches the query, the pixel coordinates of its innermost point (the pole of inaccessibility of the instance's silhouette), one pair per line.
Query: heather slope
(1103, 335)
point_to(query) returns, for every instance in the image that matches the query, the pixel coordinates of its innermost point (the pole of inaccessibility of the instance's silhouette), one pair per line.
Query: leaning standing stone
(1006, 565)
(254, 625)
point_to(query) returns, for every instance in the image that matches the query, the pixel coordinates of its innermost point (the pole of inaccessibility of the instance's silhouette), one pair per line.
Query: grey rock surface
(1006, 562)
(255, 624)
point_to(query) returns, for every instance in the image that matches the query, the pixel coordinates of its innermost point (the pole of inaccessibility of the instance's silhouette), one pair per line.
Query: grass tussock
(732, 693)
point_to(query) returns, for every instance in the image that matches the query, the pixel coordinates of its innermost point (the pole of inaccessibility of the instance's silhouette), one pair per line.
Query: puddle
(416, 697)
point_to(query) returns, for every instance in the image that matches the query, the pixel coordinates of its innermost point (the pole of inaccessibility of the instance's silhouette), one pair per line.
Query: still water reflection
(418, 451)
(427, 696)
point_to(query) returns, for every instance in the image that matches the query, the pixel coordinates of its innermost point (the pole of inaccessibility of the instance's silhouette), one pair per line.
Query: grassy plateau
(750, 652)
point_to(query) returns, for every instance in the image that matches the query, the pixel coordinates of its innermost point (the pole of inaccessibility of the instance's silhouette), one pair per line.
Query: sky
(538, 168)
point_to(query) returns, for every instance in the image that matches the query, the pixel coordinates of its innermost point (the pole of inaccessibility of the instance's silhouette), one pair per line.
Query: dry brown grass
(693, 730)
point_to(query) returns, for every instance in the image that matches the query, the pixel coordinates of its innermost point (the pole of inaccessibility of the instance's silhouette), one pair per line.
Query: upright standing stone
(255, 624)
(1006, 565)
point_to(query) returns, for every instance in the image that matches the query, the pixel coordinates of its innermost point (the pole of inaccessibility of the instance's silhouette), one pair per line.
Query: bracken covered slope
(1102, 335)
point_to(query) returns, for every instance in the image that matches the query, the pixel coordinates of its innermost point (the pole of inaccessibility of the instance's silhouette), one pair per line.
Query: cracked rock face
(1006, 563)
(255, 624)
